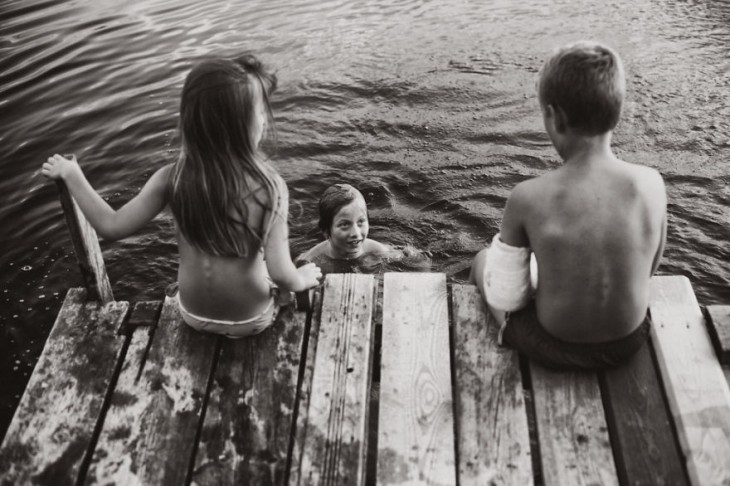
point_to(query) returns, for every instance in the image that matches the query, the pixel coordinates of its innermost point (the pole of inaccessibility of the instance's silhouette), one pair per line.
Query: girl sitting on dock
(229, 205)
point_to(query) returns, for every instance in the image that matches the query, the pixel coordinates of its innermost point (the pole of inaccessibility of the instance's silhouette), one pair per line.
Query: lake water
(428, 107)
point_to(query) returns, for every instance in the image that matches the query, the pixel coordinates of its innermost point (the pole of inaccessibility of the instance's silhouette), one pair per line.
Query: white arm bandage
(507, 276)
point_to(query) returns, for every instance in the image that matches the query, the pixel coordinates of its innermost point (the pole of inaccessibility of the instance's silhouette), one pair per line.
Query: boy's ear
(558, 116)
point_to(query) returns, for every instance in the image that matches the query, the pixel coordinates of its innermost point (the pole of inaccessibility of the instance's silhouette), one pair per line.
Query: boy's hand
(58, 167)
(311, 275)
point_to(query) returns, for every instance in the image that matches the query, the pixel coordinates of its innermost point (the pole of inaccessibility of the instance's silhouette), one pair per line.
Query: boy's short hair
(334, 198)
(586, 81)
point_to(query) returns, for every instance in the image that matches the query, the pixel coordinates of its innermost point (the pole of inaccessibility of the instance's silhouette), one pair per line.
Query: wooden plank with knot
(416, 422)
(53, 426)
(492, 433)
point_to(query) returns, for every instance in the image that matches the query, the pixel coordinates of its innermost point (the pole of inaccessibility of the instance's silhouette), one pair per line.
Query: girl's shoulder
(159, 180)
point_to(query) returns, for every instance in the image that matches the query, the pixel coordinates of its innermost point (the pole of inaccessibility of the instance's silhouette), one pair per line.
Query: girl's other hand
(58, 167)
(311, 275)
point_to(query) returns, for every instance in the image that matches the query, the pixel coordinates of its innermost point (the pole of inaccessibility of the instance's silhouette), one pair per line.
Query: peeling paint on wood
(54, 422)
(248, 423)
(149, 431)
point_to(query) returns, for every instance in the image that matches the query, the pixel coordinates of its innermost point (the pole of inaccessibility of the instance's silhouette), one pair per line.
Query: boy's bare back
(596, 226)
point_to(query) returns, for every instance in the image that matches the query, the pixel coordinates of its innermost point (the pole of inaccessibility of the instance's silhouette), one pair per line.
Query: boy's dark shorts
(525, 333)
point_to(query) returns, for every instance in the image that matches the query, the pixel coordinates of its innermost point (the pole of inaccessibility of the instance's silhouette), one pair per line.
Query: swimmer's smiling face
(349, 230)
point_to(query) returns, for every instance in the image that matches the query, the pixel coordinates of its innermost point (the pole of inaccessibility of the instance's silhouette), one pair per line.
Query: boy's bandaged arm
(507, 276)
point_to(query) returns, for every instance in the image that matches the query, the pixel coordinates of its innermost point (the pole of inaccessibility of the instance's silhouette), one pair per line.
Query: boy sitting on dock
(596, 225)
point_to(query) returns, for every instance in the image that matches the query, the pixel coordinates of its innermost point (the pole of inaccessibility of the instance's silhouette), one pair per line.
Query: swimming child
(344, 222)
(596, 225)
(229, 205)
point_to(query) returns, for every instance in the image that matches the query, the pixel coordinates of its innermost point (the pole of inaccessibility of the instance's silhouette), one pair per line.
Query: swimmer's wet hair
(586, 81)
(334, 198)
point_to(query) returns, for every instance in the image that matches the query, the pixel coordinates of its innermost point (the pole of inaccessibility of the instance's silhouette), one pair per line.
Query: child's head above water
(586, 82)
(343, 219)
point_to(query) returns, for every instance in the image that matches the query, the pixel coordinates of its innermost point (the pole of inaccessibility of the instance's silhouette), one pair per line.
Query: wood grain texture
(492, 433)
(335, 442)
(54, 422)
(572, 430)
(150, 427)
(640, 424)
(696, 388)
(86, 248)
(305, 388)
(416, 423)
(720, 330)
(250, 414)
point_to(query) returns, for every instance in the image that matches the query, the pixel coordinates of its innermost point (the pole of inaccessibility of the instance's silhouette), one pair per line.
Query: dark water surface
(428, 106)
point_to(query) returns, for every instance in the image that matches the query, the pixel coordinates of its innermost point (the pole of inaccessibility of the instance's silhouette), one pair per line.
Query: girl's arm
(110, 224)
(278, 258)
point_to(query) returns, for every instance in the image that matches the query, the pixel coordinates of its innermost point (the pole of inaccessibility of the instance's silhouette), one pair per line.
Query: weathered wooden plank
(640, 425)
(54, 423)
(305, 387)
(572, 430)
(492, 434)
(86, 248)
(696, 388)
(335, 443)
(250, 413)
(150, 427)
(720, 330)
(416, 429)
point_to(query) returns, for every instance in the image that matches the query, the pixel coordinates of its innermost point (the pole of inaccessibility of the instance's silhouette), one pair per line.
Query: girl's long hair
(221, 172)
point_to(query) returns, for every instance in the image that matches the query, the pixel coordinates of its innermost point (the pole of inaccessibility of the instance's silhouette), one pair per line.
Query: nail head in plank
(335, 445)
(416, 430)
(249, 417)
(696, 387)
(54, 422)
(571, 427)
(150, 427)
(720, 330)
(493, 437)
(640, 426)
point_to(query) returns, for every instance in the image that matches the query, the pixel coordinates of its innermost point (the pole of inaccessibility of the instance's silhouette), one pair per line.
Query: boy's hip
(524, 332)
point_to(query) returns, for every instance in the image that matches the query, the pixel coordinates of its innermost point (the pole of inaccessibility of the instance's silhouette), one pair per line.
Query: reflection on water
(427, 107)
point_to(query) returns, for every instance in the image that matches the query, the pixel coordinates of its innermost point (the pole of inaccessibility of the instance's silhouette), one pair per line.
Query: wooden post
(86, 247)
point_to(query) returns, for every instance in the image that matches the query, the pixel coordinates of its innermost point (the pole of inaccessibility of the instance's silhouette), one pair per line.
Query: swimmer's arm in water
(111, 224)
(321, 248)
(278, 258)
(376, 247)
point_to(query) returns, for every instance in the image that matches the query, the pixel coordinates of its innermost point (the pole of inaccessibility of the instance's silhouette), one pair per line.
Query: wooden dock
(392, 381)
